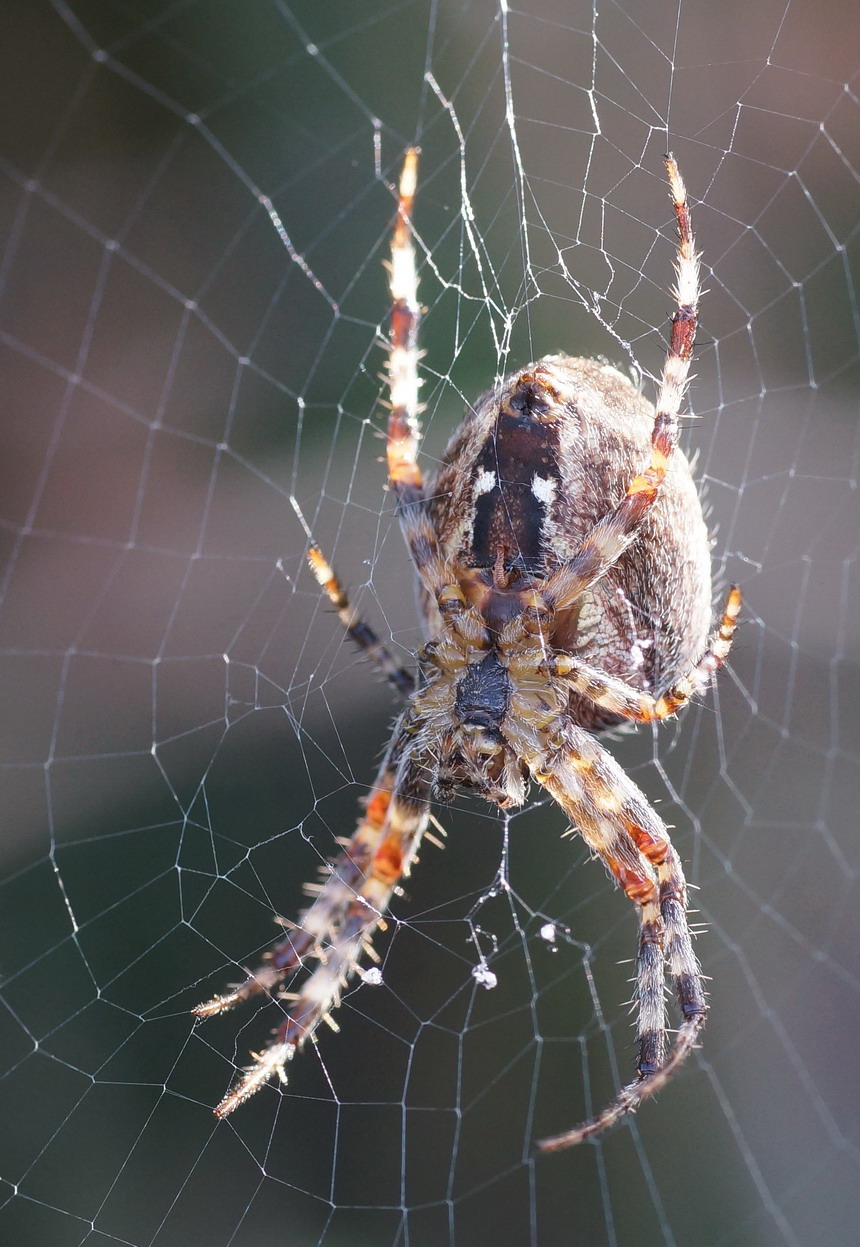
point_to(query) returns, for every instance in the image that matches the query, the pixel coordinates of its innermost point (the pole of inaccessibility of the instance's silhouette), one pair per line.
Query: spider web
(197, 197)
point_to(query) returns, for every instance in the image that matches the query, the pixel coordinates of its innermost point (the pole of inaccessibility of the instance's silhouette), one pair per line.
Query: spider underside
(564, 582)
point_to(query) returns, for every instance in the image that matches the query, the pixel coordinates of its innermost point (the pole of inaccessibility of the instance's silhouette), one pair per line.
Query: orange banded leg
(582, 778)
(710, 662)
(665, 937)
(611, 536)
(404, 475)
(288, 955)
(637, 882)
(615, 819)
(404, 434)
(685, 320)
(337, 928)
(356, 629)
(665, 942)
(681, 961)
(619, 698)
(664, 924)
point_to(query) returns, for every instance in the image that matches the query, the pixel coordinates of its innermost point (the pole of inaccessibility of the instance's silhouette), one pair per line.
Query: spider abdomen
(535, 464)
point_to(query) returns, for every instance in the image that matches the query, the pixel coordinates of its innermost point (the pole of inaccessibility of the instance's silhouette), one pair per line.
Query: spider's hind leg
(350, 903)
(664, 939)
(611, 535)
(616, 821)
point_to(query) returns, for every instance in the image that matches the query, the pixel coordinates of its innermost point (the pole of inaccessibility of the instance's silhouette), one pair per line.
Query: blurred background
(195, 213)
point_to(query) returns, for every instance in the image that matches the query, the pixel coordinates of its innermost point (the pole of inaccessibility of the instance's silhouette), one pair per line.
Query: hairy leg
(611, 536)
(616, 821)
(338, 927)
(619, 698)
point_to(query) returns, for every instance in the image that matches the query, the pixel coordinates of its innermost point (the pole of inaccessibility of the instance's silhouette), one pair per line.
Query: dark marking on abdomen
(510, 517)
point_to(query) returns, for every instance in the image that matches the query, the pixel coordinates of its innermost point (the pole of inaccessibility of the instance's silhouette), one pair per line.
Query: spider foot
(287, 956)
(631, 1096)
(272, 1061)
(265, 980)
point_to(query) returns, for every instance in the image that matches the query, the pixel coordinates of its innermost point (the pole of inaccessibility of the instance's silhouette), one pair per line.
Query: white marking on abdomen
(543, 488)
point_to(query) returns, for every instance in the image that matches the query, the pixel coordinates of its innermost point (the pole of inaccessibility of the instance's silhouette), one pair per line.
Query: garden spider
(564, 577)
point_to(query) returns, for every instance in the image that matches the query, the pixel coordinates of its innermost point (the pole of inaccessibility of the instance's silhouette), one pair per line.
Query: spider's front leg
(616, 821)
(618, 529)
(405, 478)
(339, 925)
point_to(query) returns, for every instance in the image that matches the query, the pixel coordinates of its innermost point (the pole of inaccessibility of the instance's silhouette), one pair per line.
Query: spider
(564, 580)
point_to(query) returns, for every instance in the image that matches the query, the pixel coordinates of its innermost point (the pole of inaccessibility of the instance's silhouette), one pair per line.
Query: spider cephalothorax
(564, 576)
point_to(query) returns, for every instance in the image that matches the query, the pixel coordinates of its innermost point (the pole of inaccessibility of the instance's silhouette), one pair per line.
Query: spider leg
(338, 927)
(611, 535)
(288, 955)
(620, 698)
(400, 679)
(616, 821)
(654, 1071)
(404, 474)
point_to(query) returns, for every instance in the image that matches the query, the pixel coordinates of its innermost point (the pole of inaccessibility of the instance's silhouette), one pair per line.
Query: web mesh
(197, 199)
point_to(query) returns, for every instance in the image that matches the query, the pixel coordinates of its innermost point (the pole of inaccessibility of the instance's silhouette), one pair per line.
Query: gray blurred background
(184, 730)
